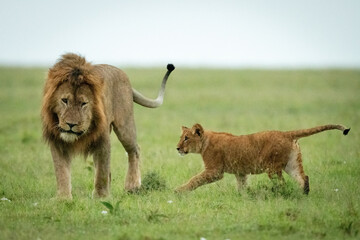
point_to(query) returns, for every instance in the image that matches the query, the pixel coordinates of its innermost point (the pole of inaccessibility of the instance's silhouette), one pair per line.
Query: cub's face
(190, 141)
(73, 110)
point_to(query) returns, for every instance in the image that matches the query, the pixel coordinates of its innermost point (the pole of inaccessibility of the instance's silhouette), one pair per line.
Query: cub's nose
(178, 149)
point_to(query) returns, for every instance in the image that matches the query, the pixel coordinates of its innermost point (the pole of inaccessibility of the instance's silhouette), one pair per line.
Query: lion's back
(112, 75)
(118, 95)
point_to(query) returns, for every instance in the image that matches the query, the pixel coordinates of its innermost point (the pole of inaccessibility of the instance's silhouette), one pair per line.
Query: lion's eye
(186, 138)
(83, 104)
(64, 100)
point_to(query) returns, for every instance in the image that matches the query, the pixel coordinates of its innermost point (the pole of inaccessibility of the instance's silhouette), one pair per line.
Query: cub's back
(252, 147)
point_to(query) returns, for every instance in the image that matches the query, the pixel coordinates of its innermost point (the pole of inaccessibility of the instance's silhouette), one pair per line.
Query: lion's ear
(198, 130)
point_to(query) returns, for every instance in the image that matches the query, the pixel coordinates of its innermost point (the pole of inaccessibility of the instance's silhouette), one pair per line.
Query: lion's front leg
(207, 176)
(62, 164)
(102, 170)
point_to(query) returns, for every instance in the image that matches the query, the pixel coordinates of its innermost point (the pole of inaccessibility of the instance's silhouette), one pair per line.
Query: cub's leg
(278, 176)
(207, 176)
(241, 181)
(102, 180)
(295, 169)
(62, 164)
(126, 133)
(277, 179)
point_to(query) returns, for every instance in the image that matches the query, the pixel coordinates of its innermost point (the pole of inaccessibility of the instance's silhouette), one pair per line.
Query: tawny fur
(270, 152)
(82, 103)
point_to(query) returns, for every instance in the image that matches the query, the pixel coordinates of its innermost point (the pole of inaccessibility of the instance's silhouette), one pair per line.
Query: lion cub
(269, 151)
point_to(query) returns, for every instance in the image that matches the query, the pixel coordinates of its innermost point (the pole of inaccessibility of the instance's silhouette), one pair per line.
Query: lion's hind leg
(133, 176)
(127, 136)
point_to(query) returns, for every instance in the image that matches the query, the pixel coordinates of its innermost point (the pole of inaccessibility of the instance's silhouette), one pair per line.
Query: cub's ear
(197, 129)
(184, 128)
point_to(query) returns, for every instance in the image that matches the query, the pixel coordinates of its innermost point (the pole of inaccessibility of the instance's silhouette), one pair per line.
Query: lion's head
(191, 140)
(73, 109)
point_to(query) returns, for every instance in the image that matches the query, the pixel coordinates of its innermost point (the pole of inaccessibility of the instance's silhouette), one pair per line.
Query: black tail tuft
(170, 67)
(346, 131)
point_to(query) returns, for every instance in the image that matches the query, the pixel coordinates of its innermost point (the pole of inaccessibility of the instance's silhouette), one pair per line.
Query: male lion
(81, 104)
(269, 151)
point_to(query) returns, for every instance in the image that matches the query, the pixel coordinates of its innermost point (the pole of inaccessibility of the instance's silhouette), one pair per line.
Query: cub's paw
(181, 189)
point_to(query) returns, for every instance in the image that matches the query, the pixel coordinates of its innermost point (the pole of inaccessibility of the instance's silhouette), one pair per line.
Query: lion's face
(190, 140)
(73, 109)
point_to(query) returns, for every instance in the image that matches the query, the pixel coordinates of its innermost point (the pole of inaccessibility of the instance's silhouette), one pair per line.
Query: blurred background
(211, 33)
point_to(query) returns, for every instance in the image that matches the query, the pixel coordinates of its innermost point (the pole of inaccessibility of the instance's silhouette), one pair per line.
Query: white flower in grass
(336, 189)
(104, 212)
(5, 199)
(35, 204)
(170, 201)
(202, 238)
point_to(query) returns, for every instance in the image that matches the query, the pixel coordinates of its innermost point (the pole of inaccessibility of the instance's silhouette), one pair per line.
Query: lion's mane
(75, 70)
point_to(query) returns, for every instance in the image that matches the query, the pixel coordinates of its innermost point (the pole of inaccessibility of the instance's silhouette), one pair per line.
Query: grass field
(236, 101)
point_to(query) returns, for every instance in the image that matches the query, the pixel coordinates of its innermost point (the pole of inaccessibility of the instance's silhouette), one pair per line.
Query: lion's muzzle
(70, 135)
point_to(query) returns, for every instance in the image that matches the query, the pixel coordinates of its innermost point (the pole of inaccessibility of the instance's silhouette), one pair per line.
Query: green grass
(236, 101)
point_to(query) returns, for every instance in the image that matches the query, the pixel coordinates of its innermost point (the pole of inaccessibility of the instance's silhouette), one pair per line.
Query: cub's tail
(153, 103)
(308, 132)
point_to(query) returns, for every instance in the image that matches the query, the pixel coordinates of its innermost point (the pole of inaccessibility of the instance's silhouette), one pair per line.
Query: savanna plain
(237, 101)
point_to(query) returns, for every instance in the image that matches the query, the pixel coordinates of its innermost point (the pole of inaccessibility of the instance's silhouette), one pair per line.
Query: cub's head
(72, 105)
(191, 140)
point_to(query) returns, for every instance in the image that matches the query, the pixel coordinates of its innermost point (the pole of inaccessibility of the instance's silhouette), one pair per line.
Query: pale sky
(189, 33)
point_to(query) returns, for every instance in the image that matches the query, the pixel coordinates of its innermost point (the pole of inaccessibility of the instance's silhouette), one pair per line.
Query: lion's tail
(308, 132)
(151, 103)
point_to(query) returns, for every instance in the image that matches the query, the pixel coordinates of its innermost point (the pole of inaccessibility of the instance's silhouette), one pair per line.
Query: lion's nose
(178, 149)
(71, 125)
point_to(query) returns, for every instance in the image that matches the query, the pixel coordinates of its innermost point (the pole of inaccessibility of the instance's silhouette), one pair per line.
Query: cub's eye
(186, 138)
(64, 100)
(83, 104)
